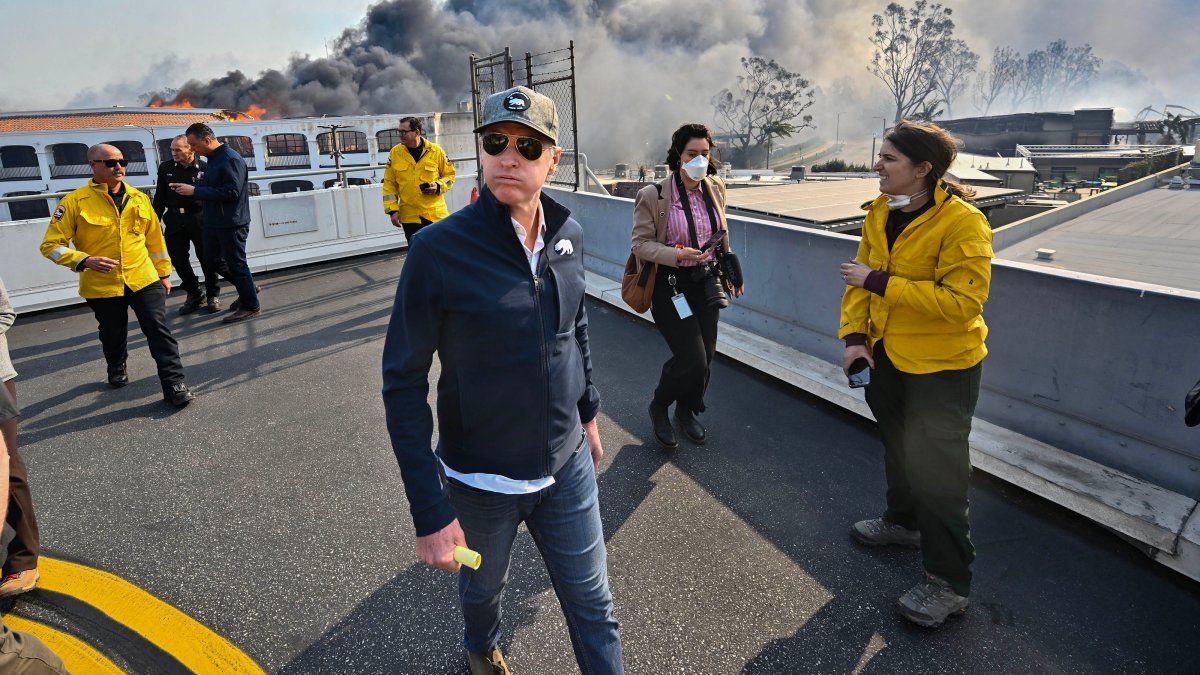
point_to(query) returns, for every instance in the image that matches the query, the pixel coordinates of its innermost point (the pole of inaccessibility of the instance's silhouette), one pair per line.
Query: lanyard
(687, 208)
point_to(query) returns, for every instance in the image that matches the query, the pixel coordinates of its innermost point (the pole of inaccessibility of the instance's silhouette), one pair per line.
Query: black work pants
(184, 232)
(23, 549)
(412, 228)
(693, 341)
(924, 422)
(150, 306)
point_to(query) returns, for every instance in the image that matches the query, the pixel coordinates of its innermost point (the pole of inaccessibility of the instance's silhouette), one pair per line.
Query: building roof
(966, 173)
(1152, 237)
(1097, 151)
(105, 118)
(991, 163)
(827, 204)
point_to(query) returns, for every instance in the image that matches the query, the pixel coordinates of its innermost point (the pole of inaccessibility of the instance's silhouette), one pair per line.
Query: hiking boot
(193, 302)
(241, 315)
(117, 376)
(882, 532)
(930, 602)
(690, 426)
(18, 583)
(178, 395)
(492, 664)
(214, 304)
(664, 433)
(237, 304)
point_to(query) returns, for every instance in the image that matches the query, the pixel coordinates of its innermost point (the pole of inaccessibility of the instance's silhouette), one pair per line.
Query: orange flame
(180, 103)
(255, 112)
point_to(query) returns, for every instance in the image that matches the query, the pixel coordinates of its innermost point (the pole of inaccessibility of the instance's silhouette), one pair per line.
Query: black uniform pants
(693, 341)
(150, 307)
(23, 549)
(412, 228)
(924, 422)
(184, 232)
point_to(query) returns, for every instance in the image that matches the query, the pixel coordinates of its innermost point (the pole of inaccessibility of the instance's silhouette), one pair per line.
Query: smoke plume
(646, 66)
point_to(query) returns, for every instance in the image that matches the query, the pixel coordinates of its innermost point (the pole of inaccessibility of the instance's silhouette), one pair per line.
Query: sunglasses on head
(495, 142)
(110, 163)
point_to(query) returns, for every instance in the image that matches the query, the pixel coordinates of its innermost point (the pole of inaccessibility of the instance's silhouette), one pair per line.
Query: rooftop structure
(1033, 152)
(106, 118)
(1152, 237)
(834, 205)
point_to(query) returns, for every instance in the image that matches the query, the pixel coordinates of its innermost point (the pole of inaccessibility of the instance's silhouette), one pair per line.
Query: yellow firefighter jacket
(931, 316)
(88, 218)
(402, 183)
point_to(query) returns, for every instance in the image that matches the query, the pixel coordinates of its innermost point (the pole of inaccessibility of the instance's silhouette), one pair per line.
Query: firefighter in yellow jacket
(415, 180)
(913, 312)
(122, 261)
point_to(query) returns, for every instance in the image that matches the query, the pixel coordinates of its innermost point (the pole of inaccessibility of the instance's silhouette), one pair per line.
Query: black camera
(709, 277)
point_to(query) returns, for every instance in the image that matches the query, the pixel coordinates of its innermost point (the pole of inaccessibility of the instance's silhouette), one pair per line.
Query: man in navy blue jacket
(223, 188)
(497, 291)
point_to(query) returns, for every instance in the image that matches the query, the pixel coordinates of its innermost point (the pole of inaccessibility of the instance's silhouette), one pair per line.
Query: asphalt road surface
(271, 510)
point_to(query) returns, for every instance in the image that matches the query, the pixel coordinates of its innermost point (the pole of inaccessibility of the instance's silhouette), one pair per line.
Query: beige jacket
(650, 220)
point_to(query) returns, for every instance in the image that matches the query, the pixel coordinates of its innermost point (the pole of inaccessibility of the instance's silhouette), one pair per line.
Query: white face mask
(697, 169)
(900, 201)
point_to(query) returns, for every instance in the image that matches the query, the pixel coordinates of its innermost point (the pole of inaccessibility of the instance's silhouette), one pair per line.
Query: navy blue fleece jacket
(516, 370)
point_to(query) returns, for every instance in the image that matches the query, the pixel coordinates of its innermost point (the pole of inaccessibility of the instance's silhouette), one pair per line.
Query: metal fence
(549, 73)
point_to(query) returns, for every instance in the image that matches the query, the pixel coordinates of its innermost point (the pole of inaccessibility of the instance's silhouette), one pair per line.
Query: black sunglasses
(110, 163)
(494, 143)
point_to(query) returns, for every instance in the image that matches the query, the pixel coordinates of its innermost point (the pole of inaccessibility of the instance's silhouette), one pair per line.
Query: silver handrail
(261, 176)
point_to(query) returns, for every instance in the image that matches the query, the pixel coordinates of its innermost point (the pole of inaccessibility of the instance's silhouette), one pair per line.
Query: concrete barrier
(285, 230)
(1006, 236)
(1082, 389)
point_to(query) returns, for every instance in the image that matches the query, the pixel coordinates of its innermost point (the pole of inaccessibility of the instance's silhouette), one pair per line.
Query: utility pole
(336, 153)
(837, 134)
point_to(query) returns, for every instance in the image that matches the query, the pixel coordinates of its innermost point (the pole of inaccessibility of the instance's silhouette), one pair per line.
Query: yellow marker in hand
(465, 556)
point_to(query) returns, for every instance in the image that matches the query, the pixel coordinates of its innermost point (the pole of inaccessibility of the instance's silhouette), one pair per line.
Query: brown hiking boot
(882, 532)
(930, 602)
(18, 583)
(492, 664)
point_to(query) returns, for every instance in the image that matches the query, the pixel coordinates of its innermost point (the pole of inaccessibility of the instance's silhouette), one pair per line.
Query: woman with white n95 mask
(679, 228)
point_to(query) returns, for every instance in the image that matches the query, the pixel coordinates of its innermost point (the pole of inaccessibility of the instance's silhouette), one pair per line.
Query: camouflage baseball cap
(523, 106)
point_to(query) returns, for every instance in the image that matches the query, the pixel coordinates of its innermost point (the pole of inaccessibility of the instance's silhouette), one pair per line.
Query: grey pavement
(272, 511)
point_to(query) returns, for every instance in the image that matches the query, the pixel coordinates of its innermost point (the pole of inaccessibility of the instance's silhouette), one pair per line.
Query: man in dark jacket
(226, 200)
(497, 291)
(182, 217)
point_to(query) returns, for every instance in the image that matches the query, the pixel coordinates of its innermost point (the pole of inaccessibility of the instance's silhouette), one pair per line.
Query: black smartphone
(860, 373)
(713, 241)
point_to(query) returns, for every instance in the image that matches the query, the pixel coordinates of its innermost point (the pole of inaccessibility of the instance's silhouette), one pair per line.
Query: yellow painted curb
(76, 656)
(190, 642)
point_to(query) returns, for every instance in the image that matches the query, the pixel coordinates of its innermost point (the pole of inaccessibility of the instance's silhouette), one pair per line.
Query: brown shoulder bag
(637, 284)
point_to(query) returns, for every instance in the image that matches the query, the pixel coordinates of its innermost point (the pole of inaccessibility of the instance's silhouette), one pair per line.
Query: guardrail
(253, 177)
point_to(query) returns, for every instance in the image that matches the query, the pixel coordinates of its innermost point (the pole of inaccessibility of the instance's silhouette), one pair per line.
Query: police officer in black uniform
(183, 217)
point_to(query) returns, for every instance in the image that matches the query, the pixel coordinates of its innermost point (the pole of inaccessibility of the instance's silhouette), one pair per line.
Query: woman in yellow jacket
(912, 311)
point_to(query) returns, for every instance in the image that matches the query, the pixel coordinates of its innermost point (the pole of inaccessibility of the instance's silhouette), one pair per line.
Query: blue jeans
(230, 244)
(564, 520)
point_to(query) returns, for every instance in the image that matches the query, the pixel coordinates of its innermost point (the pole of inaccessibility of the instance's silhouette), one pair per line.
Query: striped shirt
(677, 224)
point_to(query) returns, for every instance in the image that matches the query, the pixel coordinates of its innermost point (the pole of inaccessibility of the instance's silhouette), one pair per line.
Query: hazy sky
(57, 49)
(68, 53)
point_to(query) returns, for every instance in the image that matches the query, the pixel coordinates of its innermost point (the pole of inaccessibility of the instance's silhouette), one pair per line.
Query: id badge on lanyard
(681, 304)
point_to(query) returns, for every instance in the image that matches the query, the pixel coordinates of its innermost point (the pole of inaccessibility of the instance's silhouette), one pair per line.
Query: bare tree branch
(1007, 65)
(908, 46)
(953, 70)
